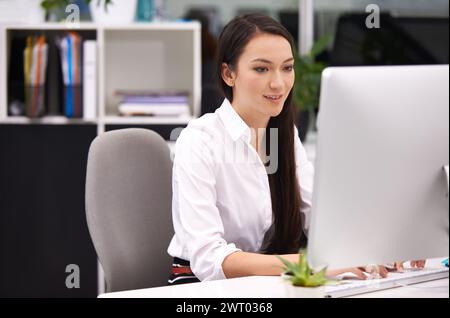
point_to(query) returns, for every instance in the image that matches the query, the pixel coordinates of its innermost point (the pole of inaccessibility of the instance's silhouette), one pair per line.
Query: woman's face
(264, 75)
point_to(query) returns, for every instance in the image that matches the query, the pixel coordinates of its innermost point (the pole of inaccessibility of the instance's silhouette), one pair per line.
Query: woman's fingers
(383, 271)
(418, 263)
(359, 273)
(414, 264)
(399, 267)
(376, 271)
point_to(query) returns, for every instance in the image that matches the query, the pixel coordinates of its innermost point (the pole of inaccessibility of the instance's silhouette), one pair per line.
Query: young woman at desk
(242, 184)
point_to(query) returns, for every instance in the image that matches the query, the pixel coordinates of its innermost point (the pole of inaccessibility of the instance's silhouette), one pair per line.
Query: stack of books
(153, 103)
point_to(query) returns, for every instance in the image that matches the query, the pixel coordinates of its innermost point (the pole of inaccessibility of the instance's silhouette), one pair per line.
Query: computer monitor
(380, 191)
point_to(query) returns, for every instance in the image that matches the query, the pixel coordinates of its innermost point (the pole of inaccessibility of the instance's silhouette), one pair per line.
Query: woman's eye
(260, 69)
(289, 68)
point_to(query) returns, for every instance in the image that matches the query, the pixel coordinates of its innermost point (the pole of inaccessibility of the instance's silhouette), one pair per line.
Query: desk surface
(275, 287)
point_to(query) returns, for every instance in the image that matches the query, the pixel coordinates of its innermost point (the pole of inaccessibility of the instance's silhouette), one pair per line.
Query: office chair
(128, 207)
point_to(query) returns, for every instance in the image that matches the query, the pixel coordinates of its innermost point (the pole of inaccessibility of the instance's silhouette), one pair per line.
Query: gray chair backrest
(128, 207)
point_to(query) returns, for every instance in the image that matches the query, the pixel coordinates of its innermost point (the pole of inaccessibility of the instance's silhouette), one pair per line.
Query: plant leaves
(291, 267)
(308, 75)
(320, 45)
(302, 274)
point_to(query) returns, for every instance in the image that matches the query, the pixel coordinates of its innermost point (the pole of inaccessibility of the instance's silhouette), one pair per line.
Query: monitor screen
(380, 188)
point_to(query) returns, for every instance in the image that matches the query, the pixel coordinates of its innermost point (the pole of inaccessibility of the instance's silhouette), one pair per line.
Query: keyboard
(394, 279)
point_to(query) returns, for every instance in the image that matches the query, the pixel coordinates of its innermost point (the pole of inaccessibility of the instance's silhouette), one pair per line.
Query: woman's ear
(228, 75)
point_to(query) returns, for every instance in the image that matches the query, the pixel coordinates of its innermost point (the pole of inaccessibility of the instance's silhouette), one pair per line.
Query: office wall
(227, 9)
(406, 7)
(26, 11)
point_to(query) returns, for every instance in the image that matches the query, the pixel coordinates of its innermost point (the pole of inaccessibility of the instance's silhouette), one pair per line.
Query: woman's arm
(240, 264)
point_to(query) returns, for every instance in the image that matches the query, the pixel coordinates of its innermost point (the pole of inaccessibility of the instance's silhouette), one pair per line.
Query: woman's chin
(275, 111)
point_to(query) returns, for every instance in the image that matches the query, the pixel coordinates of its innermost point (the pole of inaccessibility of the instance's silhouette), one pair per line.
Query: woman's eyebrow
(269, 62)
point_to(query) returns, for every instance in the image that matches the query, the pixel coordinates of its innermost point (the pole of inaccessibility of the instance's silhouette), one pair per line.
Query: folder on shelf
(89, 79)
(35, 58)
(70, 47)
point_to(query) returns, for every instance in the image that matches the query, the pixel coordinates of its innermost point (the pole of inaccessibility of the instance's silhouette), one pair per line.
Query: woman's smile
(275, 99)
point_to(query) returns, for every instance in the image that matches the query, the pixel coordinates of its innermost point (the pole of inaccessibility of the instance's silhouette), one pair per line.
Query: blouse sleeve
(196, 217)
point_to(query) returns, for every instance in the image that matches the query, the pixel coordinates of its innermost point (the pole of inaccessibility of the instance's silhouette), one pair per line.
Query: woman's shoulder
(200, 130)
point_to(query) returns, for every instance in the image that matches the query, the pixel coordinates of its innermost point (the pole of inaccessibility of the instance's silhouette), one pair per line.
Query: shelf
(158, 26)
(51, 26)
(108, 120)
(46, 120)
(175, 63)
(164, 56)
(172, 25)
(157, 56)
(117, 120)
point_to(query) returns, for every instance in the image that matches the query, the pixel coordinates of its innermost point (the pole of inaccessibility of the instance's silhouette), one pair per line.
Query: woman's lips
(273, 98)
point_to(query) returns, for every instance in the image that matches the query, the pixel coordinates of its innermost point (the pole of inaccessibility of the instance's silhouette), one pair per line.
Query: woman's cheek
(255, 83)
(291, 81)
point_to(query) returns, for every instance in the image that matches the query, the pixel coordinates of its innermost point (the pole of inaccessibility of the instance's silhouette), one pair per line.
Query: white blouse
(221, 196)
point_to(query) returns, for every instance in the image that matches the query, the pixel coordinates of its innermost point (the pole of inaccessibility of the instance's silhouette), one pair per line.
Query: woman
(242, 184)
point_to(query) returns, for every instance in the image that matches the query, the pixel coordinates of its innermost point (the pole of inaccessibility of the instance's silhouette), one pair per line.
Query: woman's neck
(253, 120)
(257, 124)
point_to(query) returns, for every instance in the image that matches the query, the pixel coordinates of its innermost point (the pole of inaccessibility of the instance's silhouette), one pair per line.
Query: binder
(70, 46)
(89, 79)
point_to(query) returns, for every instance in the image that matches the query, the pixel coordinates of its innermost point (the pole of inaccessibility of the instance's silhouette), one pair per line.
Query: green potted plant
(56, 9)
(308, 73)
(52, 4)
(102, 11)
(302, 278)
(300, 274)
(121, 11)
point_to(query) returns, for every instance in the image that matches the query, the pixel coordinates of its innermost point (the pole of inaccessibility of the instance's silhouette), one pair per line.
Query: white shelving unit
(151, 56)
(140, 56)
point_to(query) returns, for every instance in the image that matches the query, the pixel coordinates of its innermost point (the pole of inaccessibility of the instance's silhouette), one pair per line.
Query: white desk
(274, 287)
(432, 289)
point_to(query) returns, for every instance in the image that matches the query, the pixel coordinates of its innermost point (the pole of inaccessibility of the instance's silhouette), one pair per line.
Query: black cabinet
(42, 215)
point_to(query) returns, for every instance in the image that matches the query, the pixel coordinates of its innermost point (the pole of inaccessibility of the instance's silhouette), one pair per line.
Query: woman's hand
(360, 272)
(375, 270)
(420, 264)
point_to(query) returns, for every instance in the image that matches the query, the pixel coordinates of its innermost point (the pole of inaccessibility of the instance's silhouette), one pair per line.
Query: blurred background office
(43, 160)
(412, 32)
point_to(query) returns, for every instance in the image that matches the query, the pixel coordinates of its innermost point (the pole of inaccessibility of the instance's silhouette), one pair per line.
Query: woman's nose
(276, 82)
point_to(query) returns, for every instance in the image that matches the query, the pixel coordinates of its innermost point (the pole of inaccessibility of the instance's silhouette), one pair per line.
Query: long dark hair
(286, 235)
